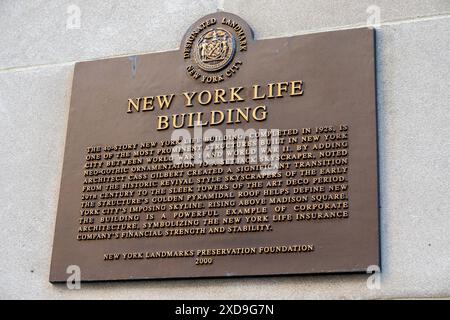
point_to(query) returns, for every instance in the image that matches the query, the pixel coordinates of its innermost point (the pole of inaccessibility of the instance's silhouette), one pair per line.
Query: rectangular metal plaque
(304, 199)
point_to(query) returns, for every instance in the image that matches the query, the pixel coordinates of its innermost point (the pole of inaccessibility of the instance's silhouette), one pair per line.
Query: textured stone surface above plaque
(227, 157)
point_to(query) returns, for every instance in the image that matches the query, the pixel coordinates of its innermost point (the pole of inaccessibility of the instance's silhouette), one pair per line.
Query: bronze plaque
(227, 157)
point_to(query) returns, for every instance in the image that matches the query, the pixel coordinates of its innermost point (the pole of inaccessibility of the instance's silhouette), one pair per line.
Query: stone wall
(41, 40)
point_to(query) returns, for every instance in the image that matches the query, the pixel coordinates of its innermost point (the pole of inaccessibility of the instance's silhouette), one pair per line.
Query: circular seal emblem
(215, 46)
(215, 49)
